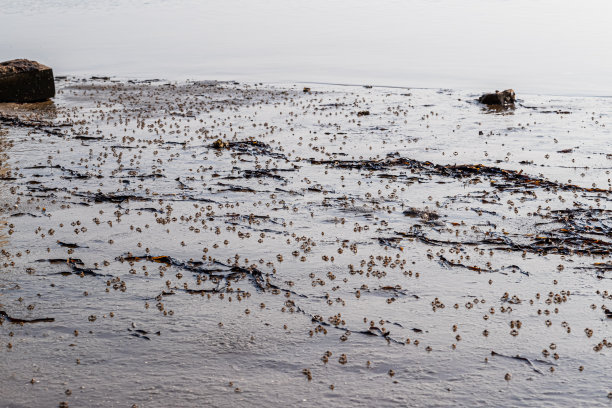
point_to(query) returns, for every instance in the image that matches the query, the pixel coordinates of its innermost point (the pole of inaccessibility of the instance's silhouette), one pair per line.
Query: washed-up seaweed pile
(501, 179)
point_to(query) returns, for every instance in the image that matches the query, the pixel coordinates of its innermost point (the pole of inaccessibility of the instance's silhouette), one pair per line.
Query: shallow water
(546, 46)
(261, 229)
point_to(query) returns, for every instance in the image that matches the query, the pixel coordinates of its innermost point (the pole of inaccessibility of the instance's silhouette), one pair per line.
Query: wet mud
(233, 244)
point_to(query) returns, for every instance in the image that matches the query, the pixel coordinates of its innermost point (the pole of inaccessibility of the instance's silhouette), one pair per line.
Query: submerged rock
(22, 80)
(506, 97)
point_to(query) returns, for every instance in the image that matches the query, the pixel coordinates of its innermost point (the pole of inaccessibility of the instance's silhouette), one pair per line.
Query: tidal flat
(240, 244)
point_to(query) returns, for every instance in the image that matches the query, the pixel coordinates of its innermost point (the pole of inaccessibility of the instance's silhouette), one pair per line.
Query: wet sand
(229, 244)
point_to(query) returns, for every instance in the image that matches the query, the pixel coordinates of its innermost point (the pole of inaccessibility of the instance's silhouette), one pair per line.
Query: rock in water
(23, 80)
(506, 97)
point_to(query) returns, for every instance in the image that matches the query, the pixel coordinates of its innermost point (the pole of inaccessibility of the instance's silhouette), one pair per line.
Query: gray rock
(506, 97)
(23, 80)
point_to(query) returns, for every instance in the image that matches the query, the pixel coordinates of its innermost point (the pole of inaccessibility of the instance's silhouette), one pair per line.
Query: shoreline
(473, 88)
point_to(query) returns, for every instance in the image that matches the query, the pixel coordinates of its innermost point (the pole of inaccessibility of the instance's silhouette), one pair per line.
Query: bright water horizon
(545, 46)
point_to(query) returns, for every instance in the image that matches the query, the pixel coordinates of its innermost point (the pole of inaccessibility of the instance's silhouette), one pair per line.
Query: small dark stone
(506, 97)
(23, 80)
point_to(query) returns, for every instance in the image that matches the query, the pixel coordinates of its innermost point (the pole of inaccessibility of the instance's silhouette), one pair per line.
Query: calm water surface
(552, 47)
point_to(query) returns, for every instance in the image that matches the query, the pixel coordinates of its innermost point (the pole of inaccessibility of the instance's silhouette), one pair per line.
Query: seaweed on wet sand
(342, 236)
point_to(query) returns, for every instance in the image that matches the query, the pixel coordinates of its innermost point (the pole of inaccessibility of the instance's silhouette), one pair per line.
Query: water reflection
(5, 172)
(17, 116)
(41, 111)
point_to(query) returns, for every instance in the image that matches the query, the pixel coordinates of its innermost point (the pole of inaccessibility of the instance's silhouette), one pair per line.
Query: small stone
(220, 144)
(506, 97)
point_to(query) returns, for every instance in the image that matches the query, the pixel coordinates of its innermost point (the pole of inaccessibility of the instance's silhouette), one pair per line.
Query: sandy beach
(248, 244)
